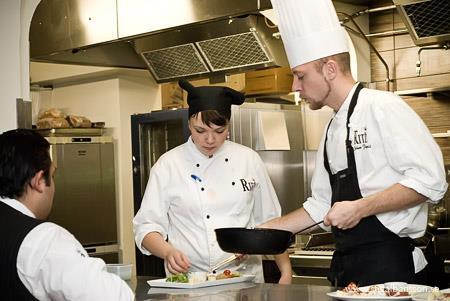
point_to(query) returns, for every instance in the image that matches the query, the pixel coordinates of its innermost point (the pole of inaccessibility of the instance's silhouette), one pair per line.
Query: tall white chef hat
(310, 30)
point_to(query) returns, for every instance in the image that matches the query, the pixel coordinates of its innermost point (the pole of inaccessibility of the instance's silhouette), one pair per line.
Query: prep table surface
(247, 291)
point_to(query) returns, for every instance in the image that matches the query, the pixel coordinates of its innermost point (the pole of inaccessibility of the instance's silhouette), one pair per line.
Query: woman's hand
(240, 258)
(176, 261)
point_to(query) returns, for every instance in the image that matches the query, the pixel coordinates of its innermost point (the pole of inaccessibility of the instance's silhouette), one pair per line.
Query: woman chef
(377, 163)
(206, 183)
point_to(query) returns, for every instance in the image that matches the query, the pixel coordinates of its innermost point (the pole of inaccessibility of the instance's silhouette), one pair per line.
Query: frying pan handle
(309, 227)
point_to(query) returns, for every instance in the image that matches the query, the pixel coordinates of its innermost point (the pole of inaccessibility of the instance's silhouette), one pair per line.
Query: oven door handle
(316, 280)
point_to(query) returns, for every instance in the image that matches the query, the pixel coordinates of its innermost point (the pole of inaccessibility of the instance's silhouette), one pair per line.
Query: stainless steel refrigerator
(85, 200)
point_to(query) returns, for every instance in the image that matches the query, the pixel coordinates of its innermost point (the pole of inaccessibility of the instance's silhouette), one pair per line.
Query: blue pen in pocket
(196, 178)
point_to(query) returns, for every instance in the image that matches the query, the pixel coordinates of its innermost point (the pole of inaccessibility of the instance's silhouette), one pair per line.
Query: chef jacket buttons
(203, 189)
(198, 165)
(207, 216)
(232, 183)
(226, 159)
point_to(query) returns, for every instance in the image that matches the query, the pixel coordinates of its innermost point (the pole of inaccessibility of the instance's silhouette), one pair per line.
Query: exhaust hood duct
(224, 46)
(427, 21)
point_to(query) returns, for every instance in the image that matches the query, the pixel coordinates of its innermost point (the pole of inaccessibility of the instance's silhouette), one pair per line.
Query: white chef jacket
(391, 145)
(188, 195)
(53, 265)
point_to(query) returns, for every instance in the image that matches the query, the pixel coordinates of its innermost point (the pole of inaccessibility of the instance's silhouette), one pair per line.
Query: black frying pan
(256, 241)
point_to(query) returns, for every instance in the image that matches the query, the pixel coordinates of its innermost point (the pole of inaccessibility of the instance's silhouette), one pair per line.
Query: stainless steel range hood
(215, 47)
(193, 38)
(428, 21)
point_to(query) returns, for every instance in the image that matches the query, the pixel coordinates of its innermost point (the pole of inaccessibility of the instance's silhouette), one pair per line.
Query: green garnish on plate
(180, 277)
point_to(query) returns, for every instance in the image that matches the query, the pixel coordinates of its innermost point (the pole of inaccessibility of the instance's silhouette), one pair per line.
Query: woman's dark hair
(214, 117)
(23, 153)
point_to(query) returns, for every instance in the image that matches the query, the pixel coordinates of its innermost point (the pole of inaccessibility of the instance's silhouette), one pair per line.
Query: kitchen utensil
(436, 217)
(223, 262)
(256, 241)
(121, 270)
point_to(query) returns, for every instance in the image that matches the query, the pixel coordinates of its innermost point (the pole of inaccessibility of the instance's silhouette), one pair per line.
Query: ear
(331, 69)
(38, 182)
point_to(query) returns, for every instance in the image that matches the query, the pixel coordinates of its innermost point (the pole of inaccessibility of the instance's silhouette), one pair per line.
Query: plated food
(198, 277)
(374, 290)
(200, 282)
(180, 278)
(386, 291)
(227, 274)
(434, 295)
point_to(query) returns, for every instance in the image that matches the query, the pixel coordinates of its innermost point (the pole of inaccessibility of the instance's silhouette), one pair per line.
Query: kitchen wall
(111, 97)
(401, 54)
(14, 28)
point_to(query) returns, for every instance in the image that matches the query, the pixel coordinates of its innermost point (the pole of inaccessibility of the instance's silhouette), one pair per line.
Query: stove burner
(319, 249)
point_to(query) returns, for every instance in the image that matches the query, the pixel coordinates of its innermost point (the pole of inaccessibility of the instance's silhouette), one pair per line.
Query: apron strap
(351, 162)
(325, 155)
(348, 143)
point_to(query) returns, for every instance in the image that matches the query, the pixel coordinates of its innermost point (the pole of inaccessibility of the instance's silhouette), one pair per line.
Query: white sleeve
(152, 216)
(319, 203)
(53, 265)
(411, 149)
(266, 204)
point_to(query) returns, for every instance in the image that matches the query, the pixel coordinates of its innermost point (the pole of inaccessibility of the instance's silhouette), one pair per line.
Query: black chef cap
(211, 98)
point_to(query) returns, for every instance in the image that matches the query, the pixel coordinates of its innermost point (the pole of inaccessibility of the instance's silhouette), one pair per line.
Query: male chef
(377, 164)
(40, 260)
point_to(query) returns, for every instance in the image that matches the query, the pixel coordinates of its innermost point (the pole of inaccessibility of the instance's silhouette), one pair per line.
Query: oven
(311, 258)
(310, 267)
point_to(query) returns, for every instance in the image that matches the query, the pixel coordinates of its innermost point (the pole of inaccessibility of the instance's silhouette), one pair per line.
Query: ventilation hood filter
(235, 51)
(212, 48)
(219, 54)
(428, 21)
(167, 63)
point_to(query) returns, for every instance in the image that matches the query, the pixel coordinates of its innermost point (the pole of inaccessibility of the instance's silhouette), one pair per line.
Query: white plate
(164, 283)
(412, 288)
(424, 296)
(353, 298)
(200, 291)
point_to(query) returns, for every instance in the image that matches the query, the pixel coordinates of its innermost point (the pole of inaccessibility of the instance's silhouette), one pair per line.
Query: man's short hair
(23, 153)
(342, 60)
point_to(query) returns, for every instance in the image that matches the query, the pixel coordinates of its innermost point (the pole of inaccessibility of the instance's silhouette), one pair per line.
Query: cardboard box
(269, 81)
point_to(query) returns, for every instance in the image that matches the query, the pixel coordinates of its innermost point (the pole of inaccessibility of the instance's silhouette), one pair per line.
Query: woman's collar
(198, 155)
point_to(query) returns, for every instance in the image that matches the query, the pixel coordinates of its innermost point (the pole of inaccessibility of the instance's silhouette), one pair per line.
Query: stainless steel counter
(240, 292)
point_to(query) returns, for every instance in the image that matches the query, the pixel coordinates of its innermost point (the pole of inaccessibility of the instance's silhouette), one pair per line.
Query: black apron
(369, 253)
